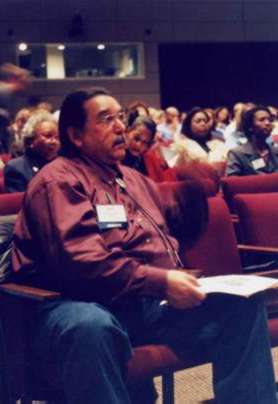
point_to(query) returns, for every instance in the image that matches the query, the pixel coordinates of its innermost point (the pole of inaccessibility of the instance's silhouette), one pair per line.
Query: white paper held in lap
(240, 285)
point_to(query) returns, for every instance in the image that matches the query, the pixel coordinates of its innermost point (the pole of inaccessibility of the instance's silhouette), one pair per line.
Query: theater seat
(17, 303)
(249, 184)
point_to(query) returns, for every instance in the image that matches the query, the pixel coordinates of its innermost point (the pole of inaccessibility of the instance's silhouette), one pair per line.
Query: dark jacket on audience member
(245, 160)
(19, 171)
(135, 162)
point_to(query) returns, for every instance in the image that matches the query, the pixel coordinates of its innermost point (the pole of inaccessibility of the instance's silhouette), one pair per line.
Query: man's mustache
(120, 140)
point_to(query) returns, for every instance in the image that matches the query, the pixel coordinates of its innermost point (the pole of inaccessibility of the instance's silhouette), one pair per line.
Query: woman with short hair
(256, 156)
(41, 145)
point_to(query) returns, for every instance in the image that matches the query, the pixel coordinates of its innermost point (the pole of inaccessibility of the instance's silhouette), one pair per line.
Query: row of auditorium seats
(215, 253)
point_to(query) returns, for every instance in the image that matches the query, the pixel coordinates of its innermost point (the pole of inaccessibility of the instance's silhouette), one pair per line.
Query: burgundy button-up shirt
(58, 238)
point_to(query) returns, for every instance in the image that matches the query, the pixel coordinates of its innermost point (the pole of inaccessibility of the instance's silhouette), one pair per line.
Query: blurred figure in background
(41, 144)
(13, 81)
(222, 118)
(16, 128)
(216, 134)
(171, 128)
(139, 138)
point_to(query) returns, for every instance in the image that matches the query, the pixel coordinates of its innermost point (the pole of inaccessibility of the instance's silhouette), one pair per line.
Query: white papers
(241, 285)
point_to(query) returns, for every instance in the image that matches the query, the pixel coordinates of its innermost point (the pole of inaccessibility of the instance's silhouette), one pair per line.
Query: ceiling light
(101, 46)
(22, 47)
(61, 47)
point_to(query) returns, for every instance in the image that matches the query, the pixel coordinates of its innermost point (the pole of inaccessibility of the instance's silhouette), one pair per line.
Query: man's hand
(182, 290)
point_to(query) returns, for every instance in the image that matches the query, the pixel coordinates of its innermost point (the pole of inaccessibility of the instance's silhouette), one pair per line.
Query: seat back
(10, 204)
(258, 214)
(246, 185)
(216, 251)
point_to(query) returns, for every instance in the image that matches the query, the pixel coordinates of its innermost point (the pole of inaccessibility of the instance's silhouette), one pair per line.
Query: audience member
(170, 129)
(255, 156)
(114, 276)
(215, 133)
(233, 134)
(222, 118)
(17, 147)
(136, 109)
(13, 80)
(41, 144)
(139, 138)
(198, 143)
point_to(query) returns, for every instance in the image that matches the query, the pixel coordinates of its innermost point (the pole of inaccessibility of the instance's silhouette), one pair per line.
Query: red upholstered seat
(216, 252)
(10, 203)
(248, 184)
(258, 214)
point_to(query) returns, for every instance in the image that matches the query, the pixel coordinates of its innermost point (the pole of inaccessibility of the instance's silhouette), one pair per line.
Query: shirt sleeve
(14, 180)
(234, 166)
(73, 250)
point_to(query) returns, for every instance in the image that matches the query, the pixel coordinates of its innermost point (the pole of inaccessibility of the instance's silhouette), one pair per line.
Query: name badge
(258, 163)
(111, 216)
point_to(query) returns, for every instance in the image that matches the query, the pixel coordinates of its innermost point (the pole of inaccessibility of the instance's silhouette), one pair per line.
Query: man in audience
(95, 231)
(41, 143)
(170, 130)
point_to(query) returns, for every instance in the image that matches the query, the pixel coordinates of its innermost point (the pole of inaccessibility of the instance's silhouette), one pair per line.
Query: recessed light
(22, 47)
(101, 46)
(61, 47)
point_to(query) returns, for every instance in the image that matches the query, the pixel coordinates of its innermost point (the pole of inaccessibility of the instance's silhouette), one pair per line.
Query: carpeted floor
(193, 386)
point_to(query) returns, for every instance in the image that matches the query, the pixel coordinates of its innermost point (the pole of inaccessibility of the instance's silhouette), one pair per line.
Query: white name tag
(258, 163)
(110, 216)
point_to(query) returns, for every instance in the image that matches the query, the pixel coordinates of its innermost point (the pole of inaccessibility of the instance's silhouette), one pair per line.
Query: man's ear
(74, 135)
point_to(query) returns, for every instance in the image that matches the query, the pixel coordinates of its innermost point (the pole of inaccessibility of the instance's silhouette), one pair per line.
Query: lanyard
(173, 254)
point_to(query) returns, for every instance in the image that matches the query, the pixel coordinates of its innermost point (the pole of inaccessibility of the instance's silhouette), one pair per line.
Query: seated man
(41, 143)
(95, 231)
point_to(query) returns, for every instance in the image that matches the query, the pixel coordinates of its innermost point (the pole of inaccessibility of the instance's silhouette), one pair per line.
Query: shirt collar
(104, 171)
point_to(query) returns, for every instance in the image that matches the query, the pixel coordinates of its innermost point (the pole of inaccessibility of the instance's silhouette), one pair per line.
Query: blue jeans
(92, 345)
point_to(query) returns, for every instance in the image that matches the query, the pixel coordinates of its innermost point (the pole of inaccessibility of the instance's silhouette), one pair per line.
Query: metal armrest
(28, 292)
(257, 249)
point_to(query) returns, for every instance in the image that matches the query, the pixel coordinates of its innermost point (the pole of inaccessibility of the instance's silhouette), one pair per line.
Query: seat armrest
(257, 249)
(27, 292)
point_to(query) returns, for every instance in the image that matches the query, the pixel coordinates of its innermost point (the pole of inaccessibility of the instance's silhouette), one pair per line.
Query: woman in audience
(41, 143)
(215, 133)
(139, 138)
(198, 154)
(197, 142)
(256, 156)
(222, 118)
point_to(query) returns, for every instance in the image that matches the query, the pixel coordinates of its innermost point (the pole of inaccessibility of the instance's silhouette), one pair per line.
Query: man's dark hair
(248, 119)
(73, 115)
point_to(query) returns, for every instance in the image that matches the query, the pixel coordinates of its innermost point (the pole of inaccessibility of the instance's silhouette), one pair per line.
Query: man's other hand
(182, 290)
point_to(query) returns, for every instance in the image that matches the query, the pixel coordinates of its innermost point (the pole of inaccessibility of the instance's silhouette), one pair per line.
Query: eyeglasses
(109, 119)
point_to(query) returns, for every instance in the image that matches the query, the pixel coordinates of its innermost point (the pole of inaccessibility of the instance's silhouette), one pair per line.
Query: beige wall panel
(151, 84)
(151, 58)
(25, 31)
(205, 32)
(261, 11)
(150, 99)
(261, 32)
(25, 10)
(206, 11)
